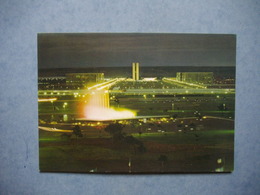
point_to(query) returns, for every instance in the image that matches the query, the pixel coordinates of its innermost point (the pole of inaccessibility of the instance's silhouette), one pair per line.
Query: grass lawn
(196, 151)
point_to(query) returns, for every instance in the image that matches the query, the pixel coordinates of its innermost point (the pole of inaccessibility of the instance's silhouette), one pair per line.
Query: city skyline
(84, 50)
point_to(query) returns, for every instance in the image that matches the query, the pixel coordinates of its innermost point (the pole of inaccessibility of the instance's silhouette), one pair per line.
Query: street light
(65, 104)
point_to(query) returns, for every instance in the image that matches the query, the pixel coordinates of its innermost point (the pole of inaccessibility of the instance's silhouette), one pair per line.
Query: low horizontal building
(51, 83)
(81, 80)
(195, 77)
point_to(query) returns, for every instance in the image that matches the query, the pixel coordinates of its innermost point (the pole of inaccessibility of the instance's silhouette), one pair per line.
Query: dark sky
(121, 49)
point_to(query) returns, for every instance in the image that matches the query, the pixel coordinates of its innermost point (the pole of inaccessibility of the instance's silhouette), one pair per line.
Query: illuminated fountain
(97, 107)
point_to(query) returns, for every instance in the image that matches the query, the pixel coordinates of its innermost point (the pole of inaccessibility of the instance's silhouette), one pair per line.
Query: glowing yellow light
(47, 100)
(102, 113)
(97, 108)
(103, 85)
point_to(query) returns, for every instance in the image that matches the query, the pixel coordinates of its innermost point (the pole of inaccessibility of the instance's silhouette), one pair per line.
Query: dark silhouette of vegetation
(198, 115)
(180, 126)
(134, 124)
(160, 126)
(163, 158)
(222, 108)
(135, 143)
(116, 131)
(118, 136)
(65, 136)
(192, 126)
(174, 116)
(77, 131)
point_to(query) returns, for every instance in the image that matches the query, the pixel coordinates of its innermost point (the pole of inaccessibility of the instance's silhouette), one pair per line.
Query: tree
(135, 143)
(192, 126)
(222, 108)
(163, 158)
(141, 148)
(115, 130)
(77, 131)
(174, 116)
(65, 136)
(198, 114)
(180, 126)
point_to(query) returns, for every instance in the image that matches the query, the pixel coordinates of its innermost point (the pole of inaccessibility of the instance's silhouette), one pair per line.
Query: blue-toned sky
(121, 49)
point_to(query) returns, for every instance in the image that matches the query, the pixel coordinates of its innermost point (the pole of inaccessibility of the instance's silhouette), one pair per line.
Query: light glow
(97, 108)
(102, 113)
(149, 79)
(47, 100)
(104, 84)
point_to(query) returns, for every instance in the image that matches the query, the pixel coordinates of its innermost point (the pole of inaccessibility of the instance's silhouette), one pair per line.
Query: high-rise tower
(135, 71)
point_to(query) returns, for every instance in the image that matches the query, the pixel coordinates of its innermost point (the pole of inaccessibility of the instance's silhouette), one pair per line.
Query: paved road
(54, 129)
(56, 93)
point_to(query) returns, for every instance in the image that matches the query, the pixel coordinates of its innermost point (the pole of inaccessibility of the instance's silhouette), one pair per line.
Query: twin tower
(135, 71)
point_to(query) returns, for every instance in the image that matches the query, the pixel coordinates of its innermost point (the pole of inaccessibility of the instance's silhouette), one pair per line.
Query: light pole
(64, 105)
(129, 165)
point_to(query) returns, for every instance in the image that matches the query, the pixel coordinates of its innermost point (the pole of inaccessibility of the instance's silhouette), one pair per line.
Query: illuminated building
(51, 83)
(81, 80)
(135, 71)
(195, 77)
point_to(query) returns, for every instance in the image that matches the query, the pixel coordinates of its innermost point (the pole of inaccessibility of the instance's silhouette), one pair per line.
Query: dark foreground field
(171, 151)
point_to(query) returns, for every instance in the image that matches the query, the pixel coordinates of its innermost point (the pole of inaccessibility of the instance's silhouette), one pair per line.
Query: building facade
(82, 80)
(51, 83)
(135, 71)
(195, 77)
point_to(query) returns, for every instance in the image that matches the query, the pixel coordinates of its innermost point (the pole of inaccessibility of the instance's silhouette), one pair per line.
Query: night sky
(121, 49)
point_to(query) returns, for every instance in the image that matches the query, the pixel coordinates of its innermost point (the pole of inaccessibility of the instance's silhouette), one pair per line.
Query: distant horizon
(233, 66)
(126, 71)
(83, 50)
